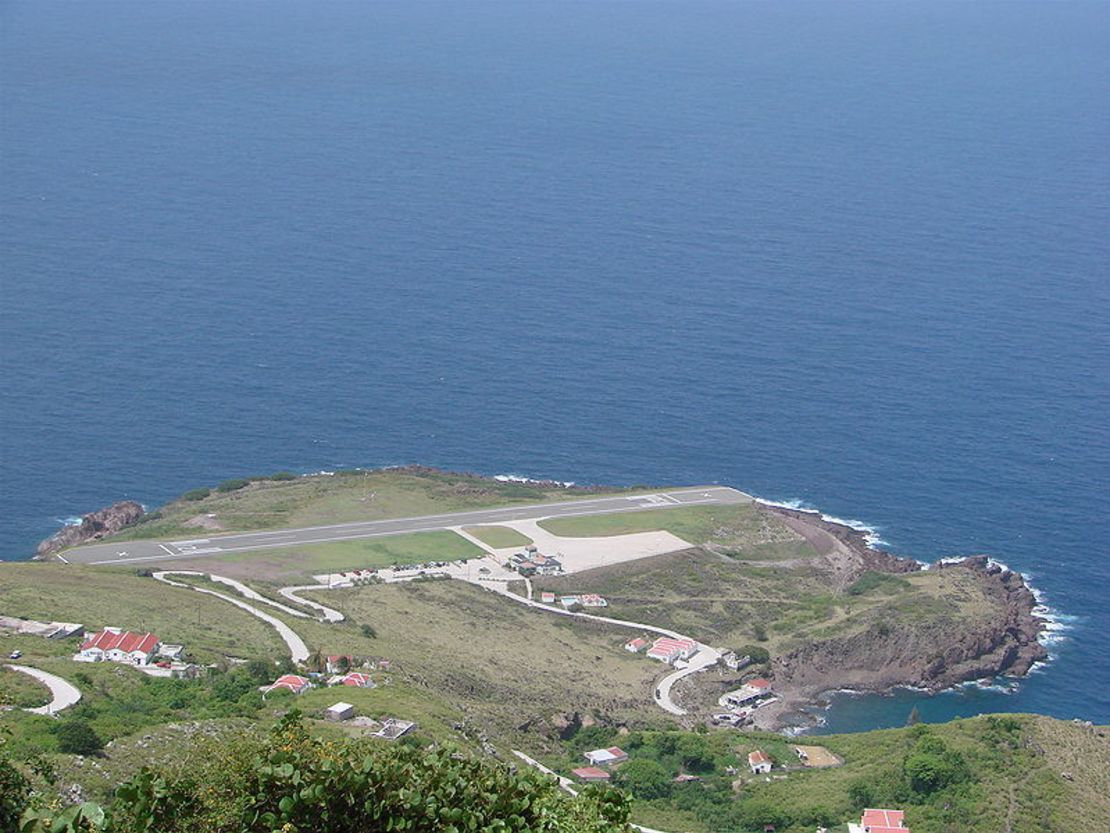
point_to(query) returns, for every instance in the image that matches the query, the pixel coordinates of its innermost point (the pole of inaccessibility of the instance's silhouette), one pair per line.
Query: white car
(15, 655)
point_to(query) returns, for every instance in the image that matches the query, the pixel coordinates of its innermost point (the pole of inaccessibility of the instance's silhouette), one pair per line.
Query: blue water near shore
(852, 254)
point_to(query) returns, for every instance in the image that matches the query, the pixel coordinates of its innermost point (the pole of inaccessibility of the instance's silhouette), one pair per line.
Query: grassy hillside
(338, 498)
(744, 531)
(719, 600)
(983, 775)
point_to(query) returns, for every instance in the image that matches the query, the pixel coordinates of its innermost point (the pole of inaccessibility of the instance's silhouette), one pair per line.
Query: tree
(369, 632)
(645, 779)
(316, 661)
(759, 631)
(694, 753)
(758, 654)
(76, 737)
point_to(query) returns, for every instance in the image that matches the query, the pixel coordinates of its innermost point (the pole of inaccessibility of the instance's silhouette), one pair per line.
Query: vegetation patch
(499, 537)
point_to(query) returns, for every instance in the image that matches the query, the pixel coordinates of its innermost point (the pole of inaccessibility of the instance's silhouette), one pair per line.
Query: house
(357, 679)
(634, 646)
(607, 757)
(880, 821)
(547, 598)
(747, 694)
(734, 662)
(340, 711)
(590, 774)
(592, 600)
(667, 649)
(119, 646)
(340, 663)
(759, 762)
(171, 651)
(291, 682)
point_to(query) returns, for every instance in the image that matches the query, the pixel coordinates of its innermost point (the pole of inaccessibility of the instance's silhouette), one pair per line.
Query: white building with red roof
(590, 774)
(357, 679)
(880, 821)
(634, 646)
(759, 762)
(607, 757)
(292, 682)
(667, 649)
(117, 645)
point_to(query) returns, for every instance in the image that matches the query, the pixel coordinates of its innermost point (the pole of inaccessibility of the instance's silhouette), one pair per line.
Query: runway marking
(167, 549)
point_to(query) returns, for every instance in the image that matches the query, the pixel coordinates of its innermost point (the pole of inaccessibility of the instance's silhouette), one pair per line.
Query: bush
(871, 580)
(758, 654)
(369, 632)
(77, 737)
(645, 779)
(233, 485)
(283, 475)
(197, 494)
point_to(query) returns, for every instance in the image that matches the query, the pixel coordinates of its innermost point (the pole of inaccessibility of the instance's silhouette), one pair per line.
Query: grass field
(497, 660)
(718, 600)
(288, 564)
(95, 596)
(745, 532)
(20, 690)
(341, 498)
(499, 536)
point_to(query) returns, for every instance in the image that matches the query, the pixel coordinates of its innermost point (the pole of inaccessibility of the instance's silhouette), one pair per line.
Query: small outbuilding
(340, 711)
(759, 762)
(590, 774)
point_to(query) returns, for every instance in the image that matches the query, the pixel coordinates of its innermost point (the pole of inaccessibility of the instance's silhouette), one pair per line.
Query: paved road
(139, 552)
(298, 651)
(706, 656)
(65, 693)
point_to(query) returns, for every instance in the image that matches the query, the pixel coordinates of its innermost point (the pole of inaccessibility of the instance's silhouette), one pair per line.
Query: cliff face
(93, 526)
(933, 657)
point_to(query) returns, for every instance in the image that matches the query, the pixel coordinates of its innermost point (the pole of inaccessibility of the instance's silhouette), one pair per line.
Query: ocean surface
(854, 255)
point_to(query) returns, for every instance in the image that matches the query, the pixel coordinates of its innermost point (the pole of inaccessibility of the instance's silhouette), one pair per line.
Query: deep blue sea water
(853, 254)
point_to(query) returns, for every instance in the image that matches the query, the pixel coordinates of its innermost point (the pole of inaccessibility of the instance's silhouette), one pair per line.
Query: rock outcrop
(93, 526)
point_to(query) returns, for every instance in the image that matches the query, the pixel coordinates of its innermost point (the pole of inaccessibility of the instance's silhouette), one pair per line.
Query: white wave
(73, 520)
(520, 478)
(870, 533)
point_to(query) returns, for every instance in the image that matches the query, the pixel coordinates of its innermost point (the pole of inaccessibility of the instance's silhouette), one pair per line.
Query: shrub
(759, 655)
(369, 632)
(233, 485)
(77, 737)
(645, 779)
(197, 494)
(283, 475)
(871, 580)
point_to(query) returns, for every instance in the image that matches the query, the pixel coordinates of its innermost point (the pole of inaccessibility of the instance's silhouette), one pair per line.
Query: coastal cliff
(93, 526)
(930, 654)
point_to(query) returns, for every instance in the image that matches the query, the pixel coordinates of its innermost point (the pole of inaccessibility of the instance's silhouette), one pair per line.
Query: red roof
(291, 682)
(590, 773)
(124, 641)
(357, 678)
(758, 757)
(880, 821)
(679, 644)
(758, 683)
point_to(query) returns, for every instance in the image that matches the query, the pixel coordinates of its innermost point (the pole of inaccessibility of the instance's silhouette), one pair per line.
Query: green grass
(345, 497)
(499, 537)
(96, 597)
(292, 563)
(21, 690)
(746, 531)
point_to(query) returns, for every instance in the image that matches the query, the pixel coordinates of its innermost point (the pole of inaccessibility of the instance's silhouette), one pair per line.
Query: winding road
(330, 614)
(65, 693)
(298, 651)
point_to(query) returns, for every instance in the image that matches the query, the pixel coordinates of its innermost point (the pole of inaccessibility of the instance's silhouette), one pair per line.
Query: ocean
(852, 255)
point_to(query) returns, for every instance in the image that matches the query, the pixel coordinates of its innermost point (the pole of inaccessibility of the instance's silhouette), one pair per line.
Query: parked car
(15, 654)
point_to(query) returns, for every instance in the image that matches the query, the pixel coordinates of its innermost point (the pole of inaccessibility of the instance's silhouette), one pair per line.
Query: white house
(666, 649)
(340, 711)
(759, 762)
(118, 645)
(607, 757)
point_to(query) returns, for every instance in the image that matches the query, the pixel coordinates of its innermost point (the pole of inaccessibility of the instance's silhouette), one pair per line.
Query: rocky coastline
(93, 527)
(885, 657)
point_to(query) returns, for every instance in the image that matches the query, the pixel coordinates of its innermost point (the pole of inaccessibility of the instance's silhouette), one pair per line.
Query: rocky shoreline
(93, 527)
(881, 659)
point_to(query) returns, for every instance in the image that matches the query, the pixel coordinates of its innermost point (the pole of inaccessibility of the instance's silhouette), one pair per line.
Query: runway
(142, 552)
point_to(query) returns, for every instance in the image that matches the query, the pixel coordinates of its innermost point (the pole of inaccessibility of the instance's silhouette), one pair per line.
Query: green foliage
(644, 778)
(15, 790)
(283, 475)
(759, 631)
(368, 631)
(758, 654)
(931, 766)
(293, 782)
(197, 494)
(883, 582)
(233, 485)
(77, 737)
